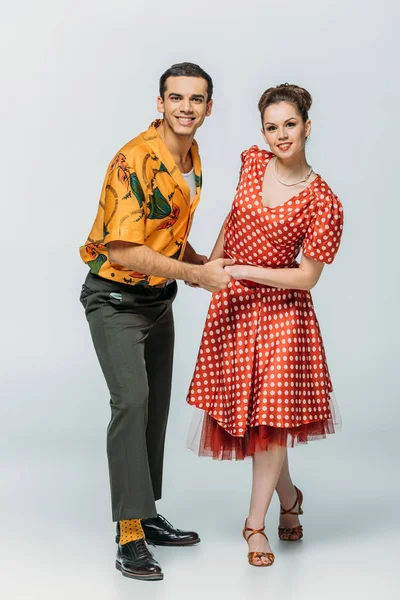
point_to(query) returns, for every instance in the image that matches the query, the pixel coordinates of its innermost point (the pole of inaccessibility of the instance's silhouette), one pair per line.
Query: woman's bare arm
(218, 250)
(305, 277)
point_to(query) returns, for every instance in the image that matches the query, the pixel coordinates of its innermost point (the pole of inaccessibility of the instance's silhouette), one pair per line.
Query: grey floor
(57, 539)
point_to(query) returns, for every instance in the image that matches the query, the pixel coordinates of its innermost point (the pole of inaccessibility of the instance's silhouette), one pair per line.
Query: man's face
(185, 104)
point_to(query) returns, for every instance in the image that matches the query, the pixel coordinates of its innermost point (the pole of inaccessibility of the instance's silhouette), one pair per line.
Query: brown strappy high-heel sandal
(287, 533)
(252, 555)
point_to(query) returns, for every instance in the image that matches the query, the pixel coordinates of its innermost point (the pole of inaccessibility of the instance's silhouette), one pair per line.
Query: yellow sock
(130, 531)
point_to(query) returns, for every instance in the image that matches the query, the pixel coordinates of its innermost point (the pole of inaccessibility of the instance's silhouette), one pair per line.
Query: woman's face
(284, 129)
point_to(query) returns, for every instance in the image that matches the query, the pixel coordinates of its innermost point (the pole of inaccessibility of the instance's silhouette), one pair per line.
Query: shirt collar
(161, 151)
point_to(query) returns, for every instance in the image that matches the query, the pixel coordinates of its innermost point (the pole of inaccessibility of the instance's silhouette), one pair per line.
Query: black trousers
(132, 330)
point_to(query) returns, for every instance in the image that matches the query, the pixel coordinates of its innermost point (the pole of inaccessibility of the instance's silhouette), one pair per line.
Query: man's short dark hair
(186, 69)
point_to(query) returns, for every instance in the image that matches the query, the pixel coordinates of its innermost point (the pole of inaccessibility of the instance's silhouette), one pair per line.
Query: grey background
(79, 80)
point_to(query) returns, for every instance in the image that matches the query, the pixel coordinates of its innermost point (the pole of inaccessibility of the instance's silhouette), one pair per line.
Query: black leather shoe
(161, 533)
(135, 560)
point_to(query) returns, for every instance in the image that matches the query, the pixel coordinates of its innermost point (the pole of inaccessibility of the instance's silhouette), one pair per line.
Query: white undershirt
(191, 181)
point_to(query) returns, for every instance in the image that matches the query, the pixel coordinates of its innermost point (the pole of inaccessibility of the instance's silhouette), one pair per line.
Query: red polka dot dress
(261, 375)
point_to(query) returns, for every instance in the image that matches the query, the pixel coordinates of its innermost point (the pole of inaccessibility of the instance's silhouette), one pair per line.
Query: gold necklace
(296, 182)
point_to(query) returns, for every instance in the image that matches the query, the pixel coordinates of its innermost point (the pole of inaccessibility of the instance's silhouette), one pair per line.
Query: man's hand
(190, 256)
(213, 277)
(201, 259)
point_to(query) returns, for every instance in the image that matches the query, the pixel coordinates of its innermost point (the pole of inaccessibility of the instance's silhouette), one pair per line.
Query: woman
(261, 376)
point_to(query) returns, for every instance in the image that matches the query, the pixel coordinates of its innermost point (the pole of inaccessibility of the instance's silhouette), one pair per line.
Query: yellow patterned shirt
(146, 200)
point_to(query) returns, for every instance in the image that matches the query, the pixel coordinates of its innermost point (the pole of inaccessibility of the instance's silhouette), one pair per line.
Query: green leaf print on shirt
(199, 180)
(163, 168)
(142, 282)
(158, 205)
(96, 264)
(137, 189)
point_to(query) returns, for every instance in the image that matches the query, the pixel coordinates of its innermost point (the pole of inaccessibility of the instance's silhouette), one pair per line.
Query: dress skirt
(261, 376)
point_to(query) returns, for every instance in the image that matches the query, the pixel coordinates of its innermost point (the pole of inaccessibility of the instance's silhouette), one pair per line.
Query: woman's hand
(237, 271)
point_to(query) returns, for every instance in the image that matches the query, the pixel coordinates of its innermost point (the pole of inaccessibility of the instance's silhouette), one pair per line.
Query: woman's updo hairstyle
(286, 92)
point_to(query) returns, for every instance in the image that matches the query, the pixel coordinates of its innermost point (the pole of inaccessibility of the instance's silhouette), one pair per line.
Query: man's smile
(185, 120)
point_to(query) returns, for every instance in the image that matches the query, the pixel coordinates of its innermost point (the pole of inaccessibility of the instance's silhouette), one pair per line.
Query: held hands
(213, 276)
(217, 274)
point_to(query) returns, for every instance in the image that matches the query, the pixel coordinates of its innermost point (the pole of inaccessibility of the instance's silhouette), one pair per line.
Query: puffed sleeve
(252, 159)
(123, 202)
(251, 153)
(322, 239)
(243, 158)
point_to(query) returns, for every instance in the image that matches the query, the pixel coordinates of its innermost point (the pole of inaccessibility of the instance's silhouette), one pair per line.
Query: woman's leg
(267, 467)
(287, 495)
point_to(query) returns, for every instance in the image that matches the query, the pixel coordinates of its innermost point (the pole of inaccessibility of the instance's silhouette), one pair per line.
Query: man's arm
(138, 257)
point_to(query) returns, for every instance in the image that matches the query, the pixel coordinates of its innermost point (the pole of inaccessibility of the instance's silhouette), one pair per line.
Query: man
(136, 250)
